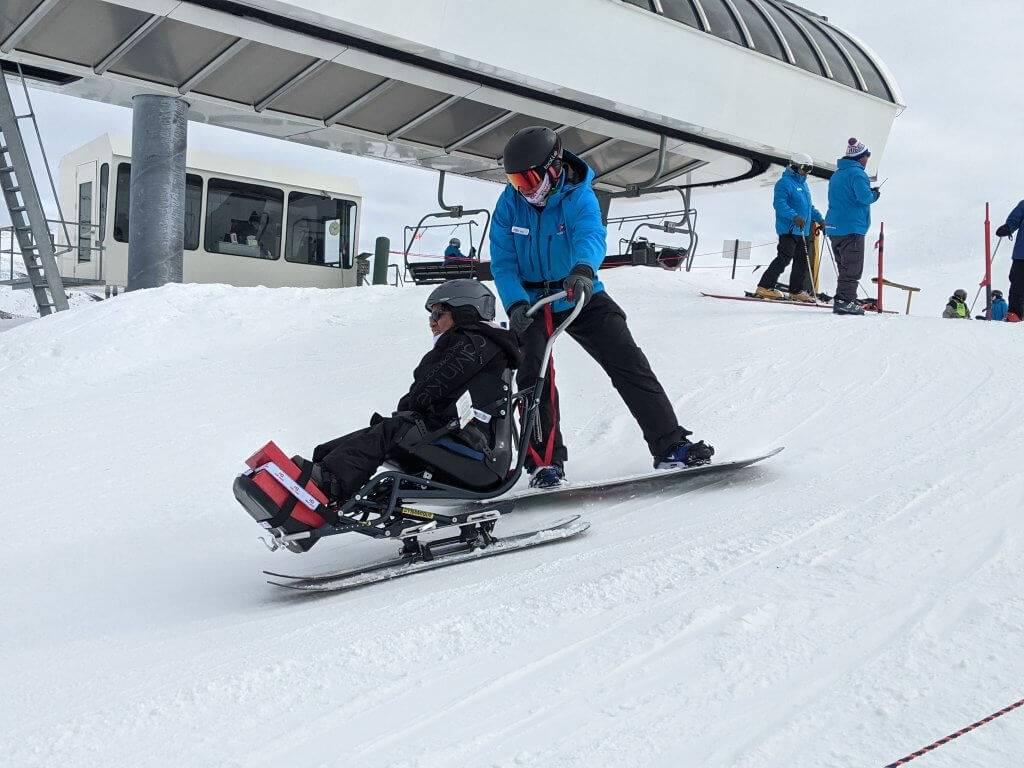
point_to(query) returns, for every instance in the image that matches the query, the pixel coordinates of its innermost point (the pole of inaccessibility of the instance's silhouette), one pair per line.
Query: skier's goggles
(804, 168)
(437, 312)
(526, 182)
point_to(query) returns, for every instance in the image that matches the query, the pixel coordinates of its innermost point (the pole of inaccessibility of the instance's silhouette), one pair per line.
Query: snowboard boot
(802, 296)
(847, 308)
(547, 477)
(685, 454)
(768, 293)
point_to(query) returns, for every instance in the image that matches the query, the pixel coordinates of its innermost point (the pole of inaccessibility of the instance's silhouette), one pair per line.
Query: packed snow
(843, 604)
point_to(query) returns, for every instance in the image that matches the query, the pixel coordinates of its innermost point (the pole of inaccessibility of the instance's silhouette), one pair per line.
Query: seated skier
(453, 253)
(956, 308)
(469, 352)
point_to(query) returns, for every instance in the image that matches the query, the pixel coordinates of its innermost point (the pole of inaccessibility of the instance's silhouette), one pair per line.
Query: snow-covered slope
(841, 605)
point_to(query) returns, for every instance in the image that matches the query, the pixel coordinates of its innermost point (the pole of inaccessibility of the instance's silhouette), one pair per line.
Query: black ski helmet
(960, 293)
(534, 147)
(456, 242)
(997, 294)
(464, 293)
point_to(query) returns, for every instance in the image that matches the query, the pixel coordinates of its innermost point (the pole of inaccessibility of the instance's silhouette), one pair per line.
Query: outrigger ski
(429, 556)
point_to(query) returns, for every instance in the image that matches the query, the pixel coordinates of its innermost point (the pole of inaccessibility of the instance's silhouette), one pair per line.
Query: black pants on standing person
(849, 253)
(1016, 298)
(602, 331)
(792, 248)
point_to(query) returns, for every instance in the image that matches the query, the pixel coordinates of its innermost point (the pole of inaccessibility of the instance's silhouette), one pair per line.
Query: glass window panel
(394, 108)
(104, 196)
(122, 204)
(872, 76)
(243, 219)
(492, 143)
(122, 200)
(803, 52)
(193, 210)
(254, 73)
(82, 32)
(761, 31)
(85, 221)
(577, 140)
(320, 230)
(722, 22)
(327, 91)
(12, 13)
(172, 52)
(645, 4)
(681, 10)
(840, 69)
(451, 124)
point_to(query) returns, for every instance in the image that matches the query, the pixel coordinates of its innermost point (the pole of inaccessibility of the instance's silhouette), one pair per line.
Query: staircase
(26, 209)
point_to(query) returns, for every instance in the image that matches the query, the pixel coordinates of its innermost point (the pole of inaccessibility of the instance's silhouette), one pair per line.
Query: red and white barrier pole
(881, 260)
(988, 264)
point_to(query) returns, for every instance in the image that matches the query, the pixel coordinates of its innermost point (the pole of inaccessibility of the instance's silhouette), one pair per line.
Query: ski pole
(982, 285)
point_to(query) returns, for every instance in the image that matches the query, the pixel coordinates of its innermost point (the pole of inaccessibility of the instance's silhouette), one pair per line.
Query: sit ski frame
(376, 510)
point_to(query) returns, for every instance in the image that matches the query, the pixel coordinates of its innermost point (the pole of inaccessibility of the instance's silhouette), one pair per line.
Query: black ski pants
(1016, 298)
(792, 248)
(849, 253)
(355, 457)
(602, 331)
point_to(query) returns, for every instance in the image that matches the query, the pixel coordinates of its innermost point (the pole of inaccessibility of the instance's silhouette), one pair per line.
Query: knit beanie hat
(856, 150)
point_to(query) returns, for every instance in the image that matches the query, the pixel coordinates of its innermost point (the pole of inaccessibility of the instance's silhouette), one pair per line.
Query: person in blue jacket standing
(1013, 223)
(795, 214)
(547, 236)
(850, 197)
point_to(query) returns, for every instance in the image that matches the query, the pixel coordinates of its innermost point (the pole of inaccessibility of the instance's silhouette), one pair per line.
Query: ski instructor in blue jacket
(548, 236)
(850, 197)
(795, 214)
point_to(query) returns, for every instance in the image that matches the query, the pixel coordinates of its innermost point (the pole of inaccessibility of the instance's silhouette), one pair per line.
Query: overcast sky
(957, 145)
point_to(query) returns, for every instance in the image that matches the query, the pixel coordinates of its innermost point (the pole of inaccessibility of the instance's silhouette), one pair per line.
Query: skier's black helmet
(456, 242)
(464, 293)
(997, 294)
(961, 294)
(529, 155)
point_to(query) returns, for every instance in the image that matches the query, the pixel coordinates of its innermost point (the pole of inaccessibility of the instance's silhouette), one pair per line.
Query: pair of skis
(460, 548)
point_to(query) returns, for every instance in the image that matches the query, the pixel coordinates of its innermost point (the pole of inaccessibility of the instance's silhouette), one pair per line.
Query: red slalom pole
(988, 264)
(881, 260)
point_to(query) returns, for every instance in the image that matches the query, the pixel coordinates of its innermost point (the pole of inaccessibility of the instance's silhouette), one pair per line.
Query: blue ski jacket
(453, 252)
(850, 198)
(999, 309)
(1014, 222)
(792, 199)
(530, 245)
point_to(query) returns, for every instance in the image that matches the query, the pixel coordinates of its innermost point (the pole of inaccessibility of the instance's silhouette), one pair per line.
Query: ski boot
(547, 477)
(768, 293)
(847, 308)
(685, 454)
(802, 296)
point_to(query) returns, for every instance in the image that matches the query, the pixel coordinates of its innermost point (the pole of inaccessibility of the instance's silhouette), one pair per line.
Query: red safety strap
(549, 447)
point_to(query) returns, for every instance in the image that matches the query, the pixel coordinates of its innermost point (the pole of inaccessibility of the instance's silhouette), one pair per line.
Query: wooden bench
(911, 290)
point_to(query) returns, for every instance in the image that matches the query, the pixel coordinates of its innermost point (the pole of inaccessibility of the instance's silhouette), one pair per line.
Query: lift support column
(157, 210)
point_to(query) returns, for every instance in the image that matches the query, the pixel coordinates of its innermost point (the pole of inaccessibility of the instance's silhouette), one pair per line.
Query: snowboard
(396, 568)
(595, 489)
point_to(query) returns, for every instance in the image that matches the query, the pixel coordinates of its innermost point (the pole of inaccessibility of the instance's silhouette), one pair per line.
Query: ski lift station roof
(731, 87)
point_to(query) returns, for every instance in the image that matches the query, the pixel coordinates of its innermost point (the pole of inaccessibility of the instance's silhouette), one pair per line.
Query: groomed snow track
(843, 604)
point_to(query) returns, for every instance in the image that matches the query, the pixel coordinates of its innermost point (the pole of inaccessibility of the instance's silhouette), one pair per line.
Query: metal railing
(73, 231)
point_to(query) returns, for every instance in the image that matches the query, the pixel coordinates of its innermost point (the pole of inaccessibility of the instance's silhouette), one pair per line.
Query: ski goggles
(803, 168)
(437, 312)
(526, 182)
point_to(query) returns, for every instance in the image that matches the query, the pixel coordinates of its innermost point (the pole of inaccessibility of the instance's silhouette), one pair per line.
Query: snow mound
(843, 604)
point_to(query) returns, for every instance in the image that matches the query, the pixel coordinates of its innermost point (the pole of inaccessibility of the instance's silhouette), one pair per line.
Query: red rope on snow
(958, 734)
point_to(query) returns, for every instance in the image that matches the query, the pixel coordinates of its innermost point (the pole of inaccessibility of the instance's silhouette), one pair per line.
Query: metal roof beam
(216, 63)
(378, 90)
(290, 84)
(476, 134)
(127, 44)
(30, 22)
(422, 117)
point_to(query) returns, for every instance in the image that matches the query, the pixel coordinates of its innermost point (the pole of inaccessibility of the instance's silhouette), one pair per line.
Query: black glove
(579, 284)
(799, 222)
(1004, 231)
(877, 191)
(518, 320)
